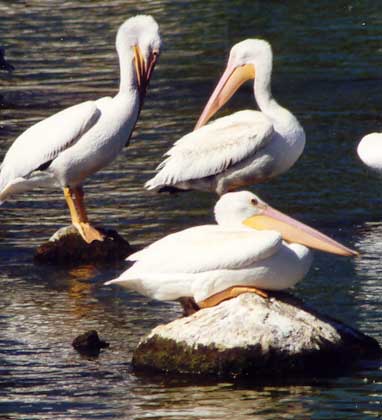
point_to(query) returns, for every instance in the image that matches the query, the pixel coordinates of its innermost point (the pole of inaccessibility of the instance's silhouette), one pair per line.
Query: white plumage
(205, 260)
(244, 148)
(370, 151)
(67, 147)
(41, 144)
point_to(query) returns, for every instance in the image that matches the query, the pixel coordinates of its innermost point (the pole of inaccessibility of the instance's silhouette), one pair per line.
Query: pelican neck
(263, 93)
(128, 80)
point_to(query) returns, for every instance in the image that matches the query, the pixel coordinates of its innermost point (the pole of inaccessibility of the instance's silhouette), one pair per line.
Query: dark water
(327, 71)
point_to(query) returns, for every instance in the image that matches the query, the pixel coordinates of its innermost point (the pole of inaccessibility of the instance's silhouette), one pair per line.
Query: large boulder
(250, 335)
(66, 246)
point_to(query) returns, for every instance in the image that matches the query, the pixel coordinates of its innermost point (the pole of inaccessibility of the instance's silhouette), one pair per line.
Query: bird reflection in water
(80, 289)
(256, 402)
(369, 267)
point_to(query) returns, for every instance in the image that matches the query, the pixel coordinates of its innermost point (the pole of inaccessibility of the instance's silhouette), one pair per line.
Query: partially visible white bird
(252, 247)
(67, 147)
(370, 151)
(4, 64)
(244, 148)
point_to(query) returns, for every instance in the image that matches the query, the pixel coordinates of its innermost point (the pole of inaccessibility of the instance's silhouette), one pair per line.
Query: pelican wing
(205, 248)
(214, 148)
(36, 147)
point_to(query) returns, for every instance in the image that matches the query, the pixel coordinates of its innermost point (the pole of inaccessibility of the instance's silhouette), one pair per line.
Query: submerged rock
(89, 343)
(253, 336)
(66, 246)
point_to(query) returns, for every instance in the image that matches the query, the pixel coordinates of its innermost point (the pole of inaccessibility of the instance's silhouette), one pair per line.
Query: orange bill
(229, 83)
(143, 70)
(294, 231)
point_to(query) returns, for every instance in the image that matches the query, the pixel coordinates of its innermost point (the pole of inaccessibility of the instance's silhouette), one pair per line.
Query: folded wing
(213, 148)
(36, 147)
(205, 248)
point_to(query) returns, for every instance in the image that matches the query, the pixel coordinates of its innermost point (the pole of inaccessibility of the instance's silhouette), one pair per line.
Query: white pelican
(370, 151)
(253, 246)
(241, 149)
(4, 64)
(64, 149)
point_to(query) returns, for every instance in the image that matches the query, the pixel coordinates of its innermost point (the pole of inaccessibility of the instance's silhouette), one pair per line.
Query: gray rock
(66, 246)
(253, 336)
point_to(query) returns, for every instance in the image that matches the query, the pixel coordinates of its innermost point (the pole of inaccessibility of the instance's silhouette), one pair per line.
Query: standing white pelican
(241, 149)
(252, 246)
(4, 64)
(64, 149)
(370, 151)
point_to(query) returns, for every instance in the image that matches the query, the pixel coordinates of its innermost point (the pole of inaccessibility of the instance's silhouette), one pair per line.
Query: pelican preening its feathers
(253, 246)
(67, 147)
(244, 148)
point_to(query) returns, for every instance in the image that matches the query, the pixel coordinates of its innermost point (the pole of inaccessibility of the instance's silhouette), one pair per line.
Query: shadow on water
(326, 70)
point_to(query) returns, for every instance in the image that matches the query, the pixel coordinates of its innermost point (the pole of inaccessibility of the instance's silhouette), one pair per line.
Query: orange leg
(230, 293)
(75, 200)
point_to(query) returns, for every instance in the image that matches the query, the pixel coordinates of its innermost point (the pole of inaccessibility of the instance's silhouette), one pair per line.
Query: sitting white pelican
(241, 149)
(64, 149)
(370, 151)
(4, 64)
(252, 247)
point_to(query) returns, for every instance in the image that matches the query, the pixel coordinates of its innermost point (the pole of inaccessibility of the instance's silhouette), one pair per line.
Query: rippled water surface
(327, 70)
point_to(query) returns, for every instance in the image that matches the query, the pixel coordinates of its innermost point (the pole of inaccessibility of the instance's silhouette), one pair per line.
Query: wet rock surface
(254, 337)
(89, 343)
(66, 246)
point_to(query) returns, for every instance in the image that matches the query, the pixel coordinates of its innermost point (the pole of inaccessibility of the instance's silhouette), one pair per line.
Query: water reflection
(195, 402)
(327, 71)
(369, 270)
(80, 290)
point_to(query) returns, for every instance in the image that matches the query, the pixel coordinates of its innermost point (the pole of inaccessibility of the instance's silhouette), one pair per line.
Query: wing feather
(214, 148)
(205, 248)
(42, 142)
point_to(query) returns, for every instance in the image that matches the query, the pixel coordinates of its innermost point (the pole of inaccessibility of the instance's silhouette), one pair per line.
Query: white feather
(45, 140)
(214, 148)
(370, 151)
(225, 249)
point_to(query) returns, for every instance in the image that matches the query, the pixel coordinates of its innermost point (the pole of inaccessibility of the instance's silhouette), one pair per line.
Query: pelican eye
(254, 201)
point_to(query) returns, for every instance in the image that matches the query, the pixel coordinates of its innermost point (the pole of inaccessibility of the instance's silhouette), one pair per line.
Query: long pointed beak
(143, 70)
(229, 83)
(294, 231)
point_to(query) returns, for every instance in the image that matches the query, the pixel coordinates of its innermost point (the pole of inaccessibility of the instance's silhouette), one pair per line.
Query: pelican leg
(189, 305)
(75, 201)
(229, 294)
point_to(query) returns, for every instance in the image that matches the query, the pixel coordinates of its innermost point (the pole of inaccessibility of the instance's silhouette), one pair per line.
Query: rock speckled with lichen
(253, 336)
(66, 246)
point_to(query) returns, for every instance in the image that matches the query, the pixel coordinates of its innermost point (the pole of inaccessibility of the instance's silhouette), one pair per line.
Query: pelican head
(4, 64)
(244, 207)
(243, 60)
(140, 34)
